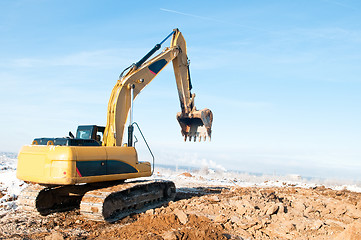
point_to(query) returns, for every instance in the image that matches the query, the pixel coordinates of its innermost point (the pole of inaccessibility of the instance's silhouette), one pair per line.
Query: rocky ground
(210, 212)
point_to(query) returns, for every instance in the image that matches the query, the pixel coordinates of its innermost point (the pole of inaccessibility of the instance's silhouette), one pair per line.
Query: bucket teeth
(200, 134)
(196, 125)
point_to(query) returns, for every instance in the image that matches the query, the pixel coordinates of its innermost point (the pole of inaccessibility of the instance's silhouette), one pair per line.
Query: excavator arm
(193, 123)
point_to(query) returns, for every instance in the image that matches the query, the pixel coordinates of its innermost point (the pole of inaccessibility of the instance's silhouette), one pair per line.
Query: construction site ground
(210, 212)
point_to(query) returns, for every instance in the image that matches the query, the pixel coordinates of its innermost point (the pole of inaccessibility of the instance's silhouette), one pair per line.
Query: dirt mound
(352, 232)
(186, 174)
(211, 213)
(166, 226)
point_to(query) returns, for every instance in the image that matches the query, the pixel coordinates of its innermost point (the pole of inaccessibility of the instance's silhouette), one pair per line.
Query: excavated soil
(210, 212)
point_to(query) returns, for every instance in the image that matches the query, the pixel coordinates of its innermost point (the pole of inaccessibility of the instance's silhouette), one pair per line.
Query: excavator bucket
(196, 125)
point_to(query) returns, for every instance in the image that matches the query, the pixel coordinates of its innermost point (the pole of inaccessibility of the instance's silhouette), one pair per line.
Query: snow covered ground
(210, 177)
(10, 186)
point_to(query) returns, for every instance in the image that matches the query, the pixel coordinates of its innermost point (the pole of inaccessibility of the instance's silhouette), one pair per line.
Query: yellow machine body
(69, 165)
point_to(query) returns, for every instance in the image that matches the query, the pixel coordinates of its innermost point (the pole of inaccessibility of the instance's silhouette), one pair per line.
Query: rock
(169, 236)
(150, 211)
(281, 209)
(3, 214)
(300, 226)
(299, 207)
(289, 227)
(247, 225)
(353, 212)
(55, 236)
(214, 198)
(352, 232)
(241, 210)
(235, 219)
(220, 218)
(181, 216)
(340, 211)
(316, 225)
(272, 210)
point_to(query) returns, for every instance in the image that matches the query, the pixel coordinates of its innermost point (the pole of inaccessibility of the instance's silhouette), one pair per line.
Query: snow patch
(10, 186)
(209, 177)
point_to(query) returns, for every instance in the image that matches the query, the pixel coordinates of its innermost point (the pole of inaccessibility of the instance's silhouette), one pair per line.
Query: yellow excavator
(89, 170)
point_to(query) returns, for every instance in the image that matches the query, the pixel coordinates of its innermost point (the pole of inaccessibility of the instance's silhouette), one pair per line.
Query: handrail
(146, 143)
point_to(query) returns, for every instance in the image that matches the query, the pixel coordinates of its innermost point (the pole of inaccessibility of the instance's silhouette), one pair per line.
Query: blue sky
(281, 77)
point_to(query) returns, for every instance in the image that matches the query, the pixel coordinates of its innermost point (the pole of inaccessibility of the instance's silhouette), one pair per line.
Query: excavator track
(116, 202)
(102, 201)
(27, 198)
(46, 200)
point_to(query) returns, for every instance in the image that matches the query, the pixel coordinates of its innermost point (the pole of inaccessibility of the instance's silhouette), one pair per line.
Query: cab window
(84, 134)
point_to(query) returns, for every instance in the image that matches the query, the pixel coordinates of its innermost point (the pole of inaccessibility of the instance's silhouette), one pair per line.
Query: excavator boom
(194, 123)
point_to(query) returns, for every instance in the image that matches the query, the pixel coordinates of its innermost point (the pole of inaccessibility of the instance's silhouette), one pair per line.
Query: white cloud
(97, 58)
(94, 58)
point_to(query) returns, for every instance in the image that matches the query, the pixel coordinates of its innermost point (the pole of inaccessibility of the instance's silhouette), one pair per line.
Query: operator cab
(86, 135)
(90, 132)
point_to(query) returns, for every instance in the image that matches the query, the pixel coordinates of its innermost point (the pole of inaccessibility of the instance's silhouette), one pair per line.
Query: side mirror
(71, 135)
